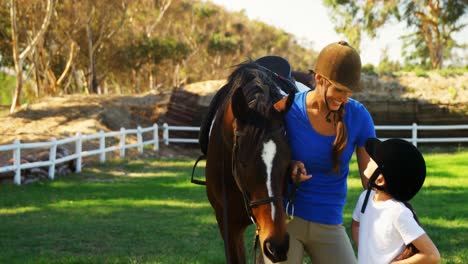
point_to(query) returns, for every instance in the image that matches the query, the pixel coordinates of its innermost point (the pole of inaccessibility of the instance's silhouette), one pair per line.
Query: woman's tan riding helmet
(340, 64)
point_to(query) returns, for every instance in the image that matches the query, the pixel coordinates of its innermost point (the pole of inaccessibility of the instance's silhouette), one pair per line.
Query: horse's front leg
(236, 244)
(235, 234)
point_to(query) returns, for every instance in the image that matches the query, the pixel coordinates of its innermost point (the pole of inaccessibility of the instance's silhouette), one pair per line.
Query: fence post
(414, 135)
(122, 142)
(78, 149)
(140, 140)
(52, 157)
(102, 146)
(156, 137)
(166, 133)
(17, 161)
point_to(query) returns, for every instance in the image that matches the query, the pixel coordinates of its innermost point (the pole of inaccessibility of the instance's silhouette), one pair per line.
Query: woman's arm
(362, 160)
(428, 252)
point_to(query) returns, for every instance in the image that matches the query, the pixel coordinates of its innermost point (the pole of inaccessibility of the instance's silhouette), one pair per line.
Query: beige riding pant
(324, 244)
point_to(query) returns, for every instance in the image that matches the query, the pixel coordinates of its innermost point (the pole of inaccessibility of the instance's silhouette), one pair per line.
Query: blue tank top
(321, 199)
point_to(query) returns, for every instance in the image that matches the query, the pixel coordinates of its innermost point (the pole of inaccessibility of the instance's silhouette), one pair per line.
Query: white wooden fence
(415, 128)
(79, 139)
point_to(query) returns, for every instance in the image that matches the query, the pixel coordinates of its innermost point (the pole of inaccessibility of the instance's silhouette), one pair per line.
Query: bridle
(249, 204)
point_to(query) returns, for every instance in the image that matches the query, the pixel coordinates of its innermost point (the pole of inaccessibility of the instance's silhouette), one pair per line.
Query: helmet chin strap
(371, 184)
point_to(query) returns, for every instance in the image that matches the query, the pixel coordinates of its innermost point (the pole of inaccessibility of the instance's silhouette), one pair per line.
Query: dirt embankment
(62, 117)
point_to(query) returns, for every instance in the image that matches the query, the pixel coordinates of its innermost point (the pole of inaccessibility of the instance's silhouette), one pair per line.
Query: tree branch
(42, 30)
(68, 66)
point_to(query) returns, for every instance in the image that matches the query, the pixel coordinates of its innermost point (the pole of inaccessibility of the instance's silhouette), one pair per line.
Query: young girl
(383, 222)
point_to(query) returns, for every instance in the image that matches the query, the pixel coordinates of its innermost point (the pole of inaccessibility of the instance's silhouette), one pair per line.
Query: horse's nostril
(274, 251)
(268, 247)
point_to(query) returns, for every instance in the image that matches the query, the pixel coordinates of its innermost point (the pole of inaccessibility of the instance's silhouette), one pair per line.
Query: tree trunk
(17, 57)
(92, 80)
(15, 102)
(37, 78)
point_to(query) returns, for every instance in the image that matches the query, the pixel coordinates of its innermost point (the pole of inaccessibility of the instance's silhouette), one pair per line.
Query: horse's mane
(260, 92)
(250, 73)
(261, 86)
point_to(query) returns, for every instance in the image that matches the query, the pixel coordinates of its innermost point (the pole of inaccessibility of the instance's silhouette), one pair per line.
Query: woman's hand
(298, 172)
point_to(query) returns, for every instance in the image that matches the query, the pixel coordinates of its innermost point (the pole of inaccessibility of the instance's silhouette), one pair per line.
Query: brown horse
(247, 162)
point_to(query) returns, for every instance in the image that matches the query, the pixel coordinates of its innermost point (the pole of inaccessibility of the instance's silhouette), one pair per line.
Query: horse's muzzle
(276, 251)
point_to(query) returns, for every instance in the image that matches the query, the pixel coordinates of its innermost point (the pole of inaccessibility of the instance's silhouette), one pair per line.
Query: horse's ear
(283, 105)
(239, 105)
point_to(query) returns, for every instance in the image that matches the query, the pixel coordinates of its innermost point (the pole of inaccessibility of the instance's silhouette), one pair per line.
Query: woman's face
(335, 96)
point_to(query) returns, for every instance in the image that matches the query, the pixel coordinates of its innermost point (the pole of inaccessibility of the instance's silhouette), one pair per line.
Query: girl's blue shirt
(321, 199)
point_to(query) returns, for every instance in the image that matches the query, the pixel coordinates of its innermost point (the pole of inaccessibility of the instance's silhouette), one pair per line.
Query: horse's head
(261, 159)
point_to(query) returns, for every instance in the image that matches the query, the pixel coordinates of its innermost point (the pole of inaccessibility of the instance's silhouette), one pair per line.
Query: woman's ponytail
(341, 138)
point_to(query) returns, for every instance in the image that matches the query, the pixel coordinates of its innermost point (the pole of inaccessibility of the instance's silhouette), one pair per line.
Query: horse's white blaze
(268, 154)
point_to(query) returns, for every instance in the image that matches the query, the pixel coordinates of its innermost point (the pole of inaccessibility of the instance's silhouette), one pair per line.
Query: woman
(325, 126)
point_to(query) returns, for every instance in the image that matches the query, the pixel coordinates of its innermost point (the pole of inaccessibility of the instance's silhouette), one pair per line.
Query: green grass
(147, 211)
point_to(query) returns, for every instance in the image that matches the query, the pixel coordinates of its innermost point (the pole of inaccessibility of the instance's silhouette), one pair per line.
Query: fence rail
(415, 128)
(79, 139)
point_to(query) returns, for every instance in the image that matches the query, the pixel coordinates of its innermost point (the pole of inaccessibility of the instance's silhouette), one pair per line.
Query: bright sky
(308, 19)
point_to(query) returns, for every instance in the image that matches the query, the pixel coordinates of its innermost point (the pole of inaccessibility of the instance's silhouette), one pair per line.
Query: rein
(292, 196)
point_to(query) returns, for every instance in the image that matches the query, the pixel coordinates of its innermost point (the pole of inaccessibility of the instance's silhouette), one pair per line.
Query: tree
(433, 21)
(18, 57)
(101, 26)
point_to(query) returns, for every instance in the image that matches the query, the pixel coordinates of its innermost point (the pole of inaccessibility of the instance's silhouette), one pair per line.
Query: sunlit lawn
(147, 211)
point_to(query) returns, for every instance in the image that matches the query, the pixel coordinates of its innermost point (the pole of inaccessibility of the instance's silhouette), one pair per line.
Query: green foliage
(223, 43)
(423, 72)
(432, 24)
(5, 38)
(447, 72)
(7, 84)
(369, 69)
(152, 51)
(132, 42)
(343, 14)
(388, 67)
(415, 51)
(420, 72)
(205, 11)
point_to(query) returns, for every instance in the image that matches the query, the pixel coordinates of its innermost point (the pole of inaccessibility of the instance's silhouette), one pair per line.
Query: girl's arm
(428, 252)
(355, 232)
(362, 160)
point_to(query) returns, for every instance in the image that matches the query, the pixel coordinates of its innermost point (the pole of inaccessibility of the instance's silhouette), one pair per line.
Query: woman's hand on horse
(299, 173)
